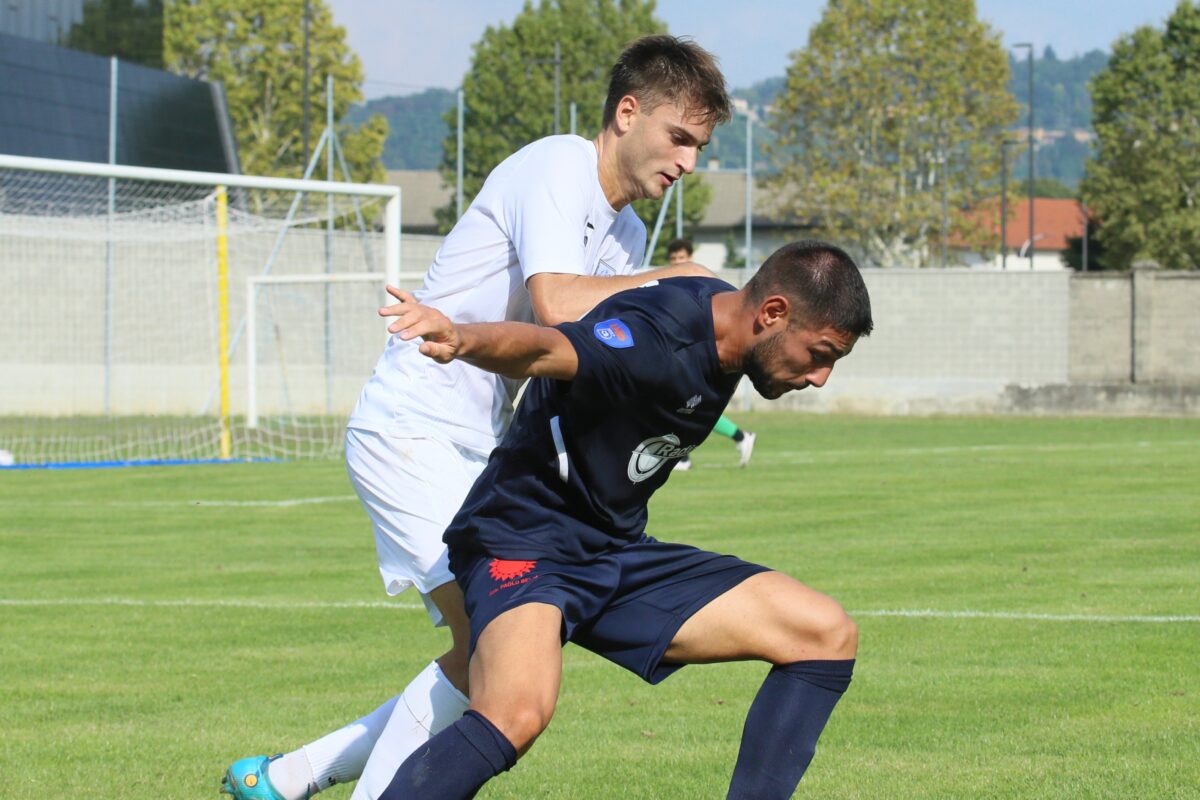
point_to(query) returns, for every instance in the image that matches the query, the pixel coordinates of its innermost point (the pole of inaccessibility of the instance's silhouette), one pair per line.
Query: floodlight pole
(749, 188)
(1083, 207)
(679, 209)
(557, 62)
(1032, 154)
(458, 192)
(307, 78)
(1004, 145)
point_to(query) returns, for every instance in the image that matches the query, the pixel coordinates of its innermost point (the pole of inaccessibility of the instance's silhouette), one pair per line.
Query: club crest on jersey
(614, 333)
(650, 456)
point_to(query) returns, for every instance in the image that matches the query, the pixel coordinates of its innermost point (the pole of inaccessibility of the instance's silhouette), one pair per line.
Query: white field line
(985, 448)
(283, 605)
(299, 501)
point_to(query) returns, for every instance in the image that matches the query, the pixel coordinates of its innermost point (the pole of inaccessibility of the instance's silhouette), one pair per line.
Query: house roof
(1054, 220)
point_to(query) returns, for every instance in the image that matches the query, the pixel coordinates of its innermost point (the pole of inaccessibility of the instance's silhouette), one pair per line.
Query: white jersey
(541, 210)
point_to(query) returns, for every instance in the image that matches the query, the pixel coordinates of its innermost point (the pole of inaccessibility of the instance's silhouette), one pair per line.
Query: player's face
(679, 257)
(795, 358)
(662, 146)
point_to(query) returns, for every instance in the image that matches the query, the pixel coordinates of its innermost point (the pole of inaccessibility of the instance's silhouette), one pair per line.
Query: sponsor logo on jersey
(605, 270)
(509, 573)
(614, 333)
(690, 406)
(650, 456)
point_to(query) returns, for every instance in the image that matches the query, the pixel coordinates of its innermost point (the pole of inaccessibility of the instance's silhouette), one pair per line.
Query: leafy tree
(121, 28)
(1144, 183)
(510, 99)
(892, 108)
(256, 50)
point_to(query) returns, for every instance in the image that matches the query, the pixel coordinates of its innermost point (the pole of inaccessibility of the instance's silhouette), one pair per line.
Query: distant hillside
(415, 127)
(1062, 104)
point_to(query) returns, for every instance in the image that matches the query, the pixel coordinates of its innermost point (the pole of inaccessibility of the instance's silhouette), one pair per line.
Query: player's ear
(773, 312)
(627, 111)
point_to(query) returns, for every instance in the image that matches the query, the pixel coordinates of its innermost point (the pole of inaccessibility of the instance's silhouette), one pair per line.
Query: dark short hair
(822, 281)
(675, 245)
(661, 69)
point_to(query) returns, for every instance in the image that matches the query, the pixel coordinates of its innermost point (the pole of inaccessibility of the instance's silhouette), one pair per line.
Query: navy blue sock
(455, 763)
(785, 720)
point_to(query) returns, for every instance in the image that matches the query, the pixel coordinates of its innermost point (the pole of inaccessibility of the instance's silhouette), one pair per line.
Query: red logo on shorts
(502, 570)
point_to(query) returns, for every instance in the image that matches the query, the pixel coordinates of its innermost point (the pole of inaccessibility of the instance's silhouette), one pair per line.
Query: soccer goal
(127, 302)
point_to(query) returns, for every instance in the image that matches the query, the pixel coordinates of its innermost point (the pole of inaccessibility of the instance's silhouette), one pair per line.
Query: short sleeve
(547, 209)
(620, 357)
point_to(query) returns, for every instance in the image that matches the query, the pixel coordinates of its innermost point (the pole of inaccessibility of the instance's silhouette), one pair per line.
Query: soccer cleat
(745, 448)
(683, 464)
(247, 779)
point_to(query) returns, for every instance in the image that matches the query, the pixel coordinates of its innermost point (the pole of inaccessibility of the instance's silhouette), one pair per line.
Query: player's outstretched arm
(512, 349)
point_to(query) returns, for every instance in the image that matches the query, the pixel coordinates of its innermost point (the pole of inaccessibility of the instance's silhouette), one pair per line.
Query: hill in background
(1062, 115)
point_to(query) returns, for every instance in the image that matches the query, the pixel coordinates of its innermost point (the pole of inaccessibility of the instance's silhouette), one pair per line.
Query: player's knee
(838, 634)
(829, 633)
(522, 723)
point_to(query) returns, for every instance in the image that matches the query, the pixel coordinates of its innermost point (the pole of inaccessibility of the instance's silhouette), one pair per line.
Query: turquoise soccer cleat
(247, 779)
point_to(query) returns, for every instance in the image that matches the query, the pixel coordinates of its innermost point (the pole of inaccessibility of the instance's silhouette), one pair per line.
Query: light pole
(749, 188)
(1004, 145)
(307, 76)
(1032, 170)
(1083, 207)
(557, 62)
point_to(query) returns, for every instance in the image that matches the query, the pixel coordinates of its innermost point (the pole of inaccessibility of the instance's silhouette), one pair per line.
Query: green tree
(510, 99)
(1144, 184)
(257, 52)
(894, 110)
(121, 28)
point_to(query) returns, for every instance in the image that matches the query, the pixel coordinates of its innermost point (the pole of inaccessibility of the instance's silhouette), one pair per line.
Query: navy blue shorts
(625, 606)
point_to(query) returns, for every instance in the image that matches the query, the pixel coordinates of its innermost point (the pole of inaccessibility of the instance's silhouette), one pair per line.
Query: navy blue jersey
(572, 477)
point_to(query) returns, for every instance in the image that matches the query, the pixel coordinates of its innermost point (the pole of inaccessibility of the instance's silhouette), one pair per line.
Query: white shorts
(411, 489)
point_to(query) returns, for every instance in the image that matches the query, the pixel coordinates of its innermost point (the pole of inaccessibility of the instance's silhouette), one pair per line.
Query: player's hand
(413, 320)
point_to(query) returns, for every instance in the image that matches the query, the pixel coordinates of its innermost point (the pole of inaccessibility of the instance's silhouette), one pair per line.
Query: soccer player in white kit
(550, 234)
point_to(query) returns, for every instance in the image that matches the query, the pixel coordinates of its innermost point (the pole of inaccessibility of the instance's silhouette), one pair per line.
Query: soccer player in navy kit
(550, 544)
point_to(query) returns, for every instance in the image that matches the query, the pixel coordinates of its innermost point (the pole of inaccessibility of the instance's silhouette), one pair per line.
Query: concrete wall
(954, 340)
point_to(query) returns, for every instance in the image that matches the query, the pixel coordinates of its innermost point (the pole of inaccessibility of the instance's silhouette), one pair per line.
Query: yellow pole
(223, 318)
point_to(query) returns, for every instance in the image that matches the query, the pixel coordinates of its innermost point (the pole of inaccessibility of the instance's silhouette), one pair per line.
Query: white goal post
(129, 338)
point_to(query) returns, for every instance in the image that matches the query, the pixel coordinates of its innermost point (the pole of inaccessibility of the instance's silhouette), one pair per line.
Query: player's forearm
(561, 298)
(517, 350)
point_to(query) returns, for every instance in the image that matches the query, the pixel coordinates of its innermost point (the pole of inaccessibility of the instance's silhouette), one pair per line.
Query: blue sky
(408, 45)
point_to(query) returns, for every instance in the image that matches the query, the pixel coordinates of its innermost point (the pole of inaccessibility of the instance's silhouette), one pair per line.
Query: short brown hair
(660, 69)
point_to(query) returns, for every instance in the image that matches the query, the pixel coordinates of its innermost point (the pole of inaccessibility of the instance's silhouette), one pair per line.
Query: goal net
(127, 299)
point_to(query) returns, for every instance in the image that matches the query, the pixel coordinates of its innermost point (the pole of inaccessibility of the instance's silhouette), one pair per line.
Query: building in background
(55, 101)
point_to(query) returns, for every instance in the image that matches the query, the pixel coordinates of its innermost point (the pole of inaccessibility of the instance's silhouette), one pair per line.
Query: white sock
(338, 757)
(427, 706)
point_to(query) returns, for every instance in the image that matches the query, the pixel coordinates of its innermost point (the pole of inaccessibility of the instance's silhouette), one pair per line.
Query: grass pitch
(1027, 592)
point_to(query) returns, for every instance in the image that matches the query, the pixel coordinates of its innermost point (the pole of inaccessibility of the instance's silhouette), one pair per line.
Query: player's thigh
(516, 670)
(769, 616)
(411, 489)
